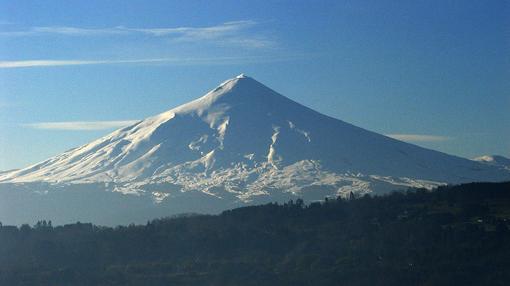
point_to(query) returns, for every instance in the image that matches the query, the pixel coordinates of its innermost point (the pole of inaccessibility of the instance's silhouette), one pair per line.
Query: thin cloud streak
(234, 33)
(46, 63)
(419, 137)
(52, 63)
(80, 125)
(75, 31)
(164, 61)
(197, 32)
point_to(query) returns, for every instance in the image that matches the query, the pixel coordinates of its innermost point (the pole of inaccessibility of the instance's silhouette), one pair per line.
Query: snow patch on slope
(494, 160)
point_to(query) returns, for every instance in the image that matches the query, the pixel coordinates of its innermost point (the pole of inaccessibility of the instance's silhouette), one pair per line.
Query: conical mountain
(243, 141)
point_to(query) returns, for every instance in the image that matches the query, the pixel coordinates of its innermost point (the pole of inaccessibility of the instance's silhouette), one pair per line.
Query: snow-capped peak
(240, 143)
(247, 140)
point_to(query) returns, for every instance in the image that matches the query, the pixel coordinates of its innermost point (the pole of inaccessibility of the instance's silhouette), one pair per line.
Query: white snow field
(241, 143)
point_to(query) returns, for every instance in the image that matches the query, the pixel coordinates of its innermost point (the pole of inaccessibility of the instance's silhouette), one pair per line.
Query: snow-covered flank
(243, 141)
(494, 160)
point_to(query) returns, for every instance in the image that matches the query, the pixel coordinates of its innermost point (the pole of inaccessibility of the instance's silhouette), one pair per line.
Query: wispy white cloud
(75, 31)
(45, 63)
(209, 32)
(52, 63)
(163, 61)
(419, 137)
(80, 125)
(65, 30)
(233, 33)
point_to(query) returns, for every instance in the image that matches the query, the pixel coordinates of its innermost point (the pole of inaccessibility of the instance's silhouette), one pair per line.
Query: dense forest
(458, 235)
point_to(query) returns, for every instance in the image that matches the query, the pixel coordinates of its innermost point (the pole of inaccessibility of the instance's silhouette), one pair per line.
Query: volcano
(242, 143)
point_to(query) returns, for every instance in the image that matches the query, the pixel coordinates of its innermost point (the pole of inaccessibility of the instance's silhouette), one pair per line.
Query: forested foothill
(455, 235)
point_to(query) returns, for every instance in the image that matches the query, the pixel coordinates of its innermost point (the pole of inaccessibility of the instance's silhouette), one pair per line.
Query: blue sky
(434, 73)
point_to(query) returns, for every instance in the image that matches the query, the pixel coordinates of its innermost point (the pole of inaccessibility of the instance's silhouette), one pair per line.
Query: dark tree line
(451, 236)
